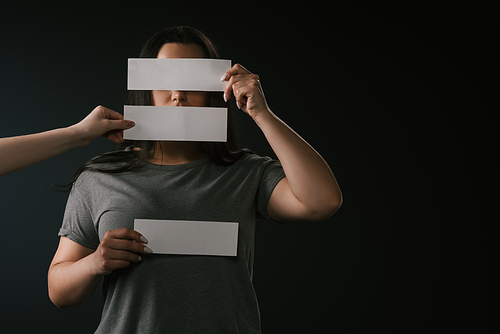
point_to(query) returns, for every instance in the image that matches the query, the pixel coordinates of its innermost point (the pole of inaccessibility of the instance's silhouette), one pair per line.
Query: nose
(178, 96)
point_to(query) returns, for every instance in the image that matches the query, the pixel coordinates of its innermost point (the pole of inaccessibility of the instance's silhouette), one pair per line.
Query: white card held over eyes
(191, 74)
(189, 237)
(176, 123)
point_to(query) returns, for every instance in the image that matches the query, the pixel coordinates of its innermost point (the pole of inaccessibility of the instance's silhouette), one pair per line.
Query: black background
(398, 99)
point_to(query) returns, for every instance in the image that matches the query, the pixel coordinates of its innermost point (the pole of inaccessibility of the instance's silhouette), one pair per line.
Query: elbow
(59, 306)
(326, 208)
(56, 301)
(63, 299)
(60, 302)
(54, 294)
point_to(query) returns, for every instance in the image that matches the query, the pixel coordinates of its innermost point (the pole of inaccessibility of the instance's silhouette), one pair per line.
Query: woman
(23, 151)
(151, 293)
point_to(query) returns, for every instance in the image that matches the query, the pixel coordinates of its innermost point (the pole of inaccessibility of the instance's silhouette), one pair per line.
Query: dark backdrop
(396, 99)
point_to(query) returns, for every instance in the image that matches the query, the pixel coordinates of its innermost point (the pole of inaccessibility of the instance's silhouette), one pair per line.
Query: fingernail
(238, 105)
(140, 259)
(144, 240)
(225, 97)
(224, 77)
(148, 250)
(129, 123)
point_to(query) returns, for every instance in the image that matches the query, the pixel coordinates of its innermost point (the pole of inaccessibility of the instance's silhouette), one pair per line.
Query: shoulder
(91, 178)
(252, 159)
(252, 163)
(85, 184)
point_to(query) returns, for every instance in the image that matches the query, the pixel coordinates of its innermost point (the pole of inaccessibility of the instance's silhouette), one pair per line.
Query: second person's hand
(102, 122)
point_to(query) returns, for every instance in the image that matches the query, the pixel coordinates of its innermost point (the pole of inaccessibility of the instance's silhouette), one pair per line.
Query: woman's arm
(71, 279)
(23, 151)
(309, 192)
(76, 270)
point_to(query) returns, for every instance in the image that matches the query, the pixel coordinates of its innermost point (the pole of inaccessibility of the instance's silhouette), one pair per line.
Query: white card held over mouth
(189, 237)
(176, 123)
(191, 74)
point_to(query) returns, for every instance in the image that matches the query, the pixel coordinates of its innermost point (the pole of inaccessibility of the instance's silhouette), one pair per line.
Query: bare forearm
(309, 176)
(72, 283)
(23, 151)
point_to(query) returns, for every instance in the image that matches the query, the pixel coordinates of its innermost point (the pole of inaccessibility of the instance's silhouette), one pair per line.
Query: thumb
(120, 124)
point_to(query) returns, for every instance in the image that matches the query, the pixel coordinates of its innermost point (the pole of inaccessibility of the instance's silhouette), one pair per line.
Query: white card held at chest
(189, 237)
(190, 74)
(176, 123)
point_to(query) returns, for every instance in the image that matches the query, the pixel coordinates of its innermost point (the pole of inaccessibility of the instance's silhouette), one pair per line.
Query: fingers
(242, 86)
(236, 73)
(115, 134)
(236, 69)
(102, 122)
(116, 119)
(247, 90)
(128, 234)
(119, 248)
(109, 114)
(113, 124)
(243, 90)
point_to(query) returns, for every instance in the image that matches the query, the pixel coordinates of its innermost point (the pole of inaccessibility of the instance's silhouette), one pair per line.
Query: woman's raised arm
(309, 192)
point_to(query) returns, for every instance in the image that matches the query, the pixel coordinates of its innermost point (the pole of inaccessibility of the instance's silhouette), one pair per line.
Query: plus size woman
(146, 292)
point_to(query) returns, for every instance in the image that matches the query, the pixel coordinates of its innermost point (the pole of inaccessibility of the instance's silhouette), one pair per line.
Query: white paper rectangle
(190, 74)
(176, 123)
(189, 237)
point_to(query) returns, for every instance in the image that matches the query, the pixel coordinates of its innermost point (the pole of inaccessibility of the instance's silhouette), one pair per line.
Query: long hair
(132, 155)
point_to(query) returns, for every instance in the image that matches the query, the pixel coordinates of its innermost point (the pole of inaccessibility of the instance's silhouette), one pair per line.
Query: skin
(23, 151)
(309, 192)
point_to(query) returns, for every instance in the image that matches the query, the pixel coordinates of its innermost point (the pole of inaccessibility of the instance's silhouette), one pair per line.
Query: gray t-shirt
(177, 293)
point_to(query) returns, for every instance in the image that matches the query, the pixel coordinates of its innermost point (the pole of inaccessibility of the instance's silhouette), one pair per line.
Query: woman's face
(175, 97)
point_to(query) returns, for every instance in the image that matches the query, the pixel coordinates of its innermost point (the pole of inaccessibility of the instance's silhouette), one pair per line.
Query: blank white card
(176, 123)
(189, 74)
(189, 237)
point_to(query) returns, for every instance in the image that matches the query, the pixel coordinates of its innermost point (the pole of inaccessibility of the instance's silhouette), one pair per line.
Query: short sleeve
(78, 224)
(271, 175)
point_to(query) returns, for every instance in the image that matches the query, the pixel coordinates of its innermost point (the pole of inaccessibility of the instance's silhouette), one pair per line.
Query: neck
(177, 152)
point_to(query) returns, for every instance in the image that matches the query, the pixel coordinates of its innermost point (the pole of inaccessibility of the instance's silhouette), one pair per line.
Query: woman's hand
(246, 89)
(102, 122)
(118, 248)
